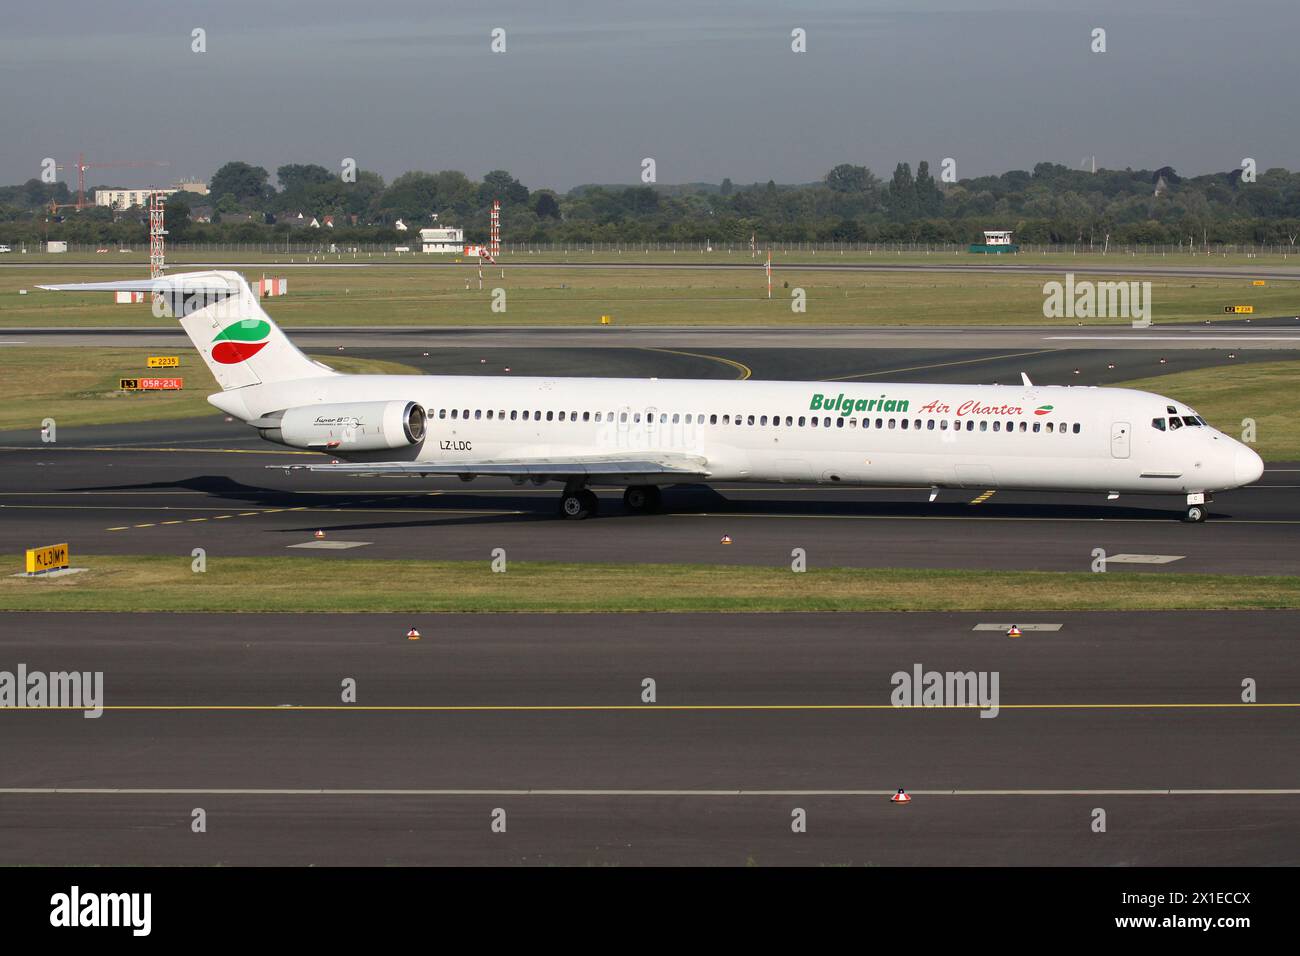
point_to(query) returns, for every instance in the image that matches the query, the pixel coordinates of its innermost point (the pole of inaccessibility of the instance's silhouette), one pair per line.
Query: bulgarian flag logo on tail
(240, 341)
(1043, 410)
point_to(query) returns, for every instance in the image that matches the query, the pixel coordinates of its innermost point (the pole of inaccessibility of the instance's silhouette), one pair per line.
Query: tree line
(1050, 204)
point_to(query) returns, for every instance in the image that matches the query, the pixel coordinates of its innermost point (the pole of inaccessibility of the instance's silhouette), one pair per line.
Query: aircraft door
(1119, 439)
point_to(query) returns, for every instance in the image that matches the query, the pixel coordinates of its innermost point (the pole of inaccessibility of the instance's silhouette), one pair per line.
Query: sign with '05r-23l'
(150, 384)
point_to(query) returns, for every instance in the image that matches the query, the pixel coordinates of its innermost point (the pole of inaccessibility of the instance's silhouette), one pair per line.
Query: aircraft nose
(1247, 466)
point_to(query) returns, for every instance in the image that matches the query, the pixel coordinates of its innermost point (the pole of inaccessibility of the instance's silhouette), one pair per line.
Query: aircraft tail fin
(226, 323)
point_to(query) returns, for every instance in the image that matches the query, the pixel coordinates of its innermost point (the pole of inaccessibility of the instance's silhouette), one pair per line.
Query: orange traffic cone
(319, 535)
(412, 635)
(1013, 631)
(726, 539)
(900, 797)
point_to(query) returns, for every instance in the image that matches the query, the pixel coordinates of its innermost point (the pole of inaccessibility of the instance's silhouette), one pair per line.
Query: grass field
(1266, 392)
(165, 583)
(79, 386)
(376, 295)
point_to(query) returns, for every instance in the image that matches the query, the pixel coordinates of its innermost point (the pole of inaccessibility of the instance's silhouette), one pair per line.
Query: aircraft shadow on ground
(691, 499)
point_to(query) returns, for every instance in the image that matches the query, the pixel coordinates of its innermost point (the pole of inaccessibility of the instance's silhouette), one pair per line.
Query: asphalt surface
(755, 715)
(1278, 333)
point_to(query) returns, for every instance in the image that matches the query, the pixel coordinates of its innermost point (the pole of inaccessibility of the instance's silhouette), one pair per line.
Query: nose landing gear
(1196, 510)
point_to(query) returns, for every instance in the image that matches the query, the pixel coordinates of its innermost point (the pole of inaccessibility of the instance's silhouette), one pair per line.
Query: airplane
(641, 434)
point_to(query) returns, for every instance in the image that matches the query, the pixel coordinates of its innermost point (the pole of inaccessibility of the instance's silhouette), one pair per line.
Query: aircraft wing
(673, 467)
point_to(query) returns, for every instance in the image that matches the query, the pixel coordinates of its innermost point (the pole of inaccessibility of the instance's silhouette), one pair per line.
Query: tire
(1195, 514)
(641, 499)
(575, 507)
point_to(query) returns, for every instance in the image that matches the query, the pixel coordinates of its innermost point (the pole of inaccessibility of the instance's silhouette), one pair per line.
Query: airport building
(442, 240)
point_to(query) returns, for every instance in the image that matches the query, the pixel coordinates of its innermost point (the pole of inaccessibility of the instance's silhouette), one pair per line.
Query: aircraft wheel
(1195, 514)
(578, 505)
(642, 499)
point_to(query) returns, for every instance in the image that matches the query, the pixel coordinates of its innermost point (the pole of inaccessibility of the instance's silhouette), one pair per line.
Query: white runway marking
(1023, 627)
(530, 792)
(330, 545)
(1144, 558)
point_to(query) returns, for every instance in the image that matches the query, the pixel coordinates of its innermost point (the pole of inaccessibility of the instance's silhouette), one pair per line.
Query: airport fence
(742, 249)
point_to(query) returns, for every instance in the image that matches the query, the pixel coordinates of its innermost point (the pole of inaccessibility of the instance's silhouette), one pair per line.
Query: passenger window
(1023, 426)
(763, 420)
(853, 423)
(550, 416)
(513, 414)
(586, 416)
(984, 426)
(478, 413)
(789, 420)
(1076, 428)
(713, 419)
(826, 423)
(489, 413)
(880, 422)
(677, 418)
(1038, 426)
(803, 420)
(997, 426)
(970, 426)
(892, 423)
(839, 422)
(904, 424)
(751, 419)
(812, 422)
(622, 417)
(442, 413)
(453, 413)
(943, 424)
(1050, 428)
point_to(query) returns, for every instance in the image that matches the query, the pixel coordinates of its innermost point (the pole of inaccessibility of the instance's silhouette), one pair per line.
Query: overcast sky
(587, 88)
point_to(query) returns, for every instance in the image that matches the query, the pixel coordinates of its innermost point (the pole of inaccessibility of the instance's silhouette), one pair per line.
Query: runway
(168, 487)
(219, 495)
(805, 262)
(1277, 334)
(754, 716)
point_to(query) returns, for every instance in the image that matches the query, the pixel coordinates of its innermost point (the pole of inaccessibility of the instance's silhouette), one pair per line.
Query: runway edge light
(1013, 631)
(318, 535)
(413, 635)
(901, 797)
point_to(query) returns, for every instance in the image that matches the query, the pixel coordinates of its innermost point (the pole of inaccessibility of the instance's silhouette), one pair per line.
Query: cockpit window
(1158, 424)
(1191, 420)
(1175, 423)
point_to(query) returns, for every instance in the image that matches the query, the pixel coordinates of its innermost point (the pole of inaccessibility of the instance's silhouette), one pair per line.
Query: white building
(997, 237)
(442, 240)
(126, 198)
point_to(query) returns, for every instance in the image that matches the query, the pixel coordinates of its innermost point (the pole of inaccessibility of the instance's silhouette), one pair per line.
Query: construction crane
(82, 166)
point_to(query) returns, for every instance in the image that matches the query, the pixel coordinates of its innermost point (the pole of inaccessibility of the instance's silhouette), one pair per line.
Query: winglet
(1024, 380)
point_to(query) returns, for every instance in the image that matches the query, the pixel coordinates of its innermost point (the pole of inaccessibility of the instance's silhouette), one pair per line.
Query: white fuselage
(1055, 438)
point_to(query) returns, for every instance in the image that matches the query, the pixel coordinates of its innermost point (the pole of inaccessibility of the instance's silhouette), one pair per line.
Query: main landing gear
(642, 499)
(578, 502)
